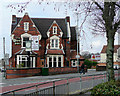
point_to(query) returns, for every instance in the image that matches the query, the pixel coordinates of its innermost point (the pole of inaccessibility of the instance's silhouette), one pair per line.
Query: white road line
(2, 83)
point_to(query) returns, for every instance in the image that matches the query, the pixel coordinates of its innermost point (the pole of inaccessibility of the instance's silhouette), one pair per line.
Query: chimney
(118, 36)
(68, 27)
(26, 13)
(14, 19)
(68, 19)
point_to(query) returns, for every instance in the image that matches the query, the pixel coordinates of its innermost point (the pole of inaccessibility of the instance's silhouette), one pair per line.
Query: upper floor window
(26, 26)
(54, 29)
(55, 43)
(24, 41)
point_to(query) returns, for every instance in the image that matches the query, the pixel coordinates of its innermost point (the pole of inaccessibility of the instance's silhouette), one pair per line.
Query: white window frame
(24, 41)
(26, 26)
(25, 35)
(20, 59)
(54, 29)
(57, 56)
(54, 42)
(74, 62)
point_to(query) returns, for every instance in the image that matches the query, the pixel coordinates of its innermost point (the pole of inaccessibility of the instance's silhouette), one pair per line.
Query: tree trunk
(110, 52)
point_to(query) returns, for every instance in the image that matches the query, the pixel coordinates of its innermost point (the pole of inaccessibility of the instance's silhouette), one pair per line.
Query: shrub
(90, 63)
(108, 88)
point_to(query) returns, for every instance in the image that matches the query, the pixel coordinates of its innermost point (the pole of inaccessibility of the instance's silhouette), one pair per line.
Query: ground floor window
(74, 63)
(59, 61)
(50, 62)
(55, 61)
(25, 61)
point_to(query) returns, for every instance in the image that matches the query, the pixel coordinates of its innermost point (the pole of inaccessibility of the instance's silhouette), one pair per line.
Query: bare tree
(104, 20)
(108, 22)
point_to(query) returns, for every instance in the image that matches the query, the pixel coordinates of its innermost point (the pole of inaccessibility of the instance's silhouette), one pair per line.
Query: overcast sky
(88, 42)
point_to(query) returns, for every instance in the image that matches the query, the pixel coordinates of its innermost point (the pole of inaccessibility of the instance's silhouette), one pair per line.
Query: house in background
(116, 58)
(4, 62)
(43, 42)
(95, 57)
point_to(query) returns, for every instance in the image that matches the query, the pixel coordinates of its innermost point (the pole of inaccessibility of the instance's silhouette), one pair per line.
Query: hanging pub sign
(35, 43)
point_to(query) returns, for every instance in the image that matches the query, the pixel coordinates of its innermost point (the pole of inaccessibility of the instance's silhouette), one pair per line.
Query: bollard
(104, 74)
(13, 93)
(53, 88)
(36, 90)
(67, 87)
(80, 83)
(93, 81)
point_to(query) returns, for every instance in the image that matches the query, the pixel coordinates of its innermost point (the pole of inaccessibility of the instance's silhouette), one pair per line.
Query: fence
(69, 86)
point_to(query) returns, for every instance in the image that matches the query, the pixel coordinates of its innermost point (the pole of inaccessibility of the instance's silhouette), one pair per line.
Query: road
(37, 79)
(11, 84)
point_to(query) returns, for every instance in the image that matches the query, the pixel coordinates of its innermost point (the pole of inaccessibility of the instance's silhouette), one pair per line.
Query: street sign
(77, 56)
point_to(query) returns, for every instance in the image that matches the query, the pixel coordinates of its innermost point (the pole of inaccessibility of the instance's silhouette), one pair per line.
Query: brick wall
(22, 72)
(62, 70)
(27, 72)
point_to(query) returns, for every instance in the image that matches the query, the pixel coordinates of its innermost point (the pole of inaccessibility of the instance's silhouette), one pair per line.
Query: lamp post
(77, 56)
(4, 54)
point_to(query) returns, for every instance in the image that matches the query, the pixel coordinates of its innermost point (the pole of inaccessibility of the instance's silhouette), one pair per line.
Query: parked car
(3, 70)
(116, 67)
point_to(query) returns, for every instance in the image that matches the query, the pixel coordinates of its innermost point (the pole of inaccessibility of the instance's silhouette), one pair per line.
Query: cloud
(96, 43)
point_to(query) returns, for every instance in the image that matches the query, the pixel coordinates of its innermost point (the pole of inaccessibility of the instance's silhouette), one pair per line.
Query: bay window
(55, 61)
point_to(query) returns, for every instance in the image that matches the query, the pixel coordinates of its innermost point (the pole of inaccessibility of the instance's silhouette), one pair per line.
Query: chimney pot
(68, 19)
(14, 21)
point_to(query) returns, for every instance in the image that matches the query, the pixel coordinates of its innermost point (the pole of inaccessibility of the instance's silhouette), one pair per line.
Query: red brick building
(43, 42)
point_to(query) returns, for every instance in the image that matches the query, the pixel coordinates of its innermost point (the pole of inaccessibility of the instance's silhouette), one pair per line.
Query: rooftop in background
(105, 48)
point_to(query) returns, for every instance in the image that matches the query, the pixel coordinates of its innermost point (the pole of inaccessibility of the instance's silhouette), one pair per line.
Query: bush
(108, 88)
(90, 63)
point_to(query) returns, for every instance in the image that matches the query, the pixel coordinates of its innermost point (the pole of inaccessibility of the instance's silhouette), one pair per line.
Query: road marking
(2, 83)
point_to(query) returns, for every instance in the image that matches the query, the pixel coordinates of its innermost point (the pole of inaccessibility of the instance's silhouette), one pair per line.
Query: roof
(43, 24)
(104, 64)
(73, 55)
(105, 48)
(22, 51)
(73, 35)
(55, 52)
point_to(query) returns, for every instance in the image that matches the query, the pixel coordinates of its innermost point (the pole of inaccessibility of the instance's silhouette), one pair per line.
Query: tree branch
(116, 25)
(117, 5)
(98, 5)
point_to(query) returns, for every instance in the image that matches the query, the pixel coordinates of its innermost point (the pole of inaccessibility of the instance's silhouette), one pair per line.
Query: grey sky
(88, 41)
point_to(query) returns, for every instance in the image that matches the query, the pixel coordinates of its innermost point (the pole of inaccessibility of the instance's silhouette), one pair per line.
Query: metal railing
(67, 86)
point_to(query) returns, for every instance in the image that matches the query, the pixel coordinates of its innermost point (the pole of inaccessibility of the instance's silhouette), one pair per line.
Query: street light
(77, 56)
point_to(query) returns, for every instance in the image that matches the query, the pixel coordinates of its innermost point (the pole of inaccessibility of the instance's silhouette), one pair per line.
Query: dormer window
(54, 29)
(26, 26)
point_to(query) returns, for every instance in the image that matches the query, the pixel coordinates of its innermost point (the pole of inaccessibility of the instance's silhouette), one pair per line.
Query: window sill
(54, 48)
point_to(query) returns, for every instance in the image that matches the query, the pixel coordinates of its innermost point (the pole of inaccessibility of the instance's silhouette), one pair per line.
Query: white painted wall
(103, 57)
